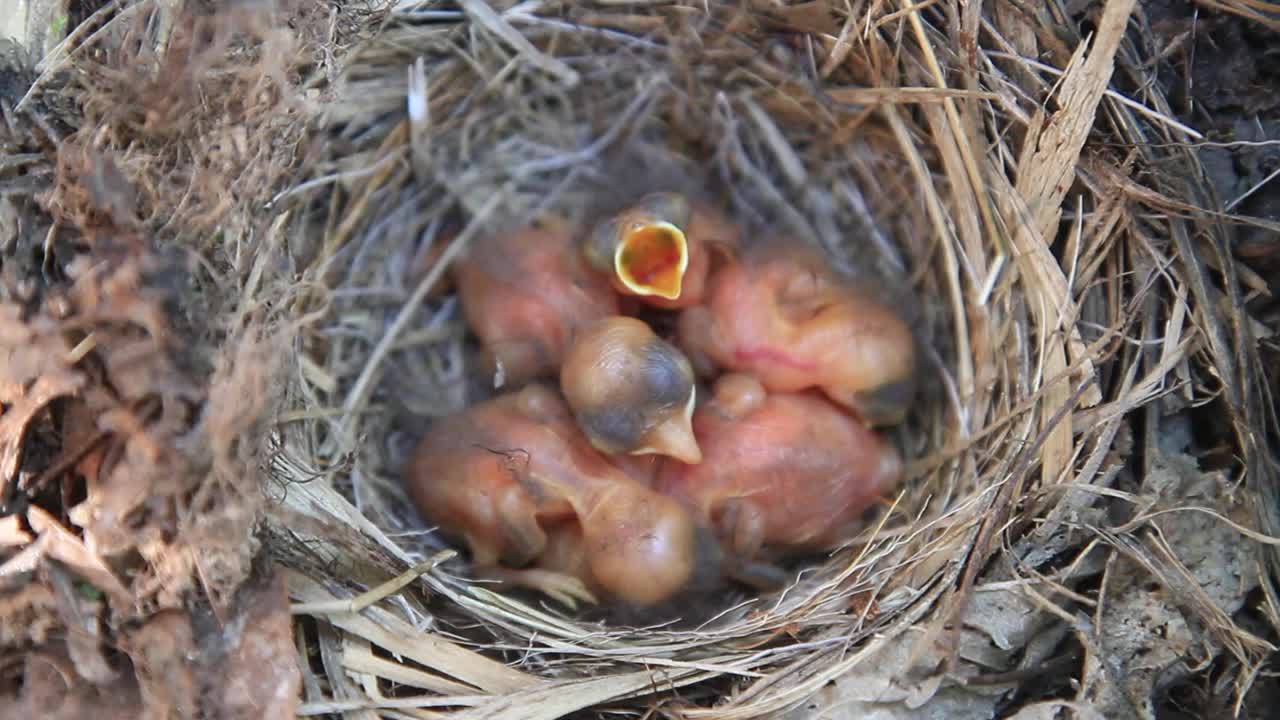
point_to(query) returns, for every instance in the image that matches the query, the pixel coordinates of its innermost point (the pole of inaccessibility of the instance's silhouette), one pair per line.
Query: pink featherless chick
(781, 472)
(525, 293)
(780, 313)
(514, 476)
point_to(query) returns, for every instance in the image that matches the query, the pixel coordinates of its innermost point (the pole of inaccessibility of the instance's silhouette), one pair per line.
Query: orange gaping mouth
(652, 258)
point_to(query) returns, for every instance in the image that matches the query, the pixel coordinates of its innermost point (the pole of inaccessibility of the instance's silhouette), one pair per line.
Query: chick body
(781, 472)
(513, 476)
(782, 315)
(525, 293)
(464, 477)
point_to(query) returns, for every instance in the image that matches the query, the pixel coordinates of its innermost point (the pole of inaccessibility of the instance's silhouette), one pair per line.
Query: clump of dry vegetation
(221, 330)
(135, 383)
(201, 110)
(131, 484)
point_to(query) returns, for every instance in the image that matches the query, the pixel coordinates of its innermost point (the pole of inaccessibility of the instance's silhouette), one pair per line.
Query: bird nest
(1088, 481)
(1041, 218)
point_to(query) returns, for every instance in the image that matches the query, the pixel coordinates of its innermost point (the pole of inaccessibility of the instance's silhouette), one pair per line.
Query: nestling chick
(780, 472)
(514, 476)
(464, 477)
(641, 468)
(631, 391)
(660, 249)
(639, 546)
(782, 315)
(524, 293)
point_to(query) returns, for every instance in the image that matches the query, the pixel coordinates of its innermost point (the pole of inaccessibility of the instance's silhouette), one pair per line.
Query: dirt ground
(1223, 77)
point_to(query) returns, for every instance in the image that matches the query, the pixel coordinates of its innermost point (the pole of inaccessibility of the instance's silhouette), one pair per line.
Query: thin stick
(364, 384)
(486, 16)
(1133, 104)
(373, 595)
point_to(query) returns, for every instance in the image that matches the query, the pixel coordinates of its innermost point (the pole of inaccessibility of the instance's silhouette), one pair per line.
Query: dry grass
(1027, 186)
(1047, 215)
(135, 384)
(1258, 11)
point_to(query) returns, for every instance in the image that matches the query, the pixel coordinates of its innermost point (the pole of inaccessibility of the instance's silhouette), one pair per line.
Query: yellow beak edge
(652, 259)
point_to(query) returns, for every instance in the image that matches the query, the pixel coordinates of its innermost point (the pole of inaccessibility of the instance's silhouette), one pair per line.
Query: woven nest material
(1064, 283)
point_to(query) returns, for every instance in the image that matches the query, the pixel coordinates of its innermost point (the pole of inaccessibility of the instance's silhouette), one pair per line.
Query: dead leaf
(32, 374)
(1168, 599)
(257, 676)
(1003, 630)
(163, 650)
(28, 615)
(83, 446)
(143, 478)
(1052, 710)
(1006, 617)
(896, 684)
(1145, 636)
(11, 532)
(59, 544)
(51, 690)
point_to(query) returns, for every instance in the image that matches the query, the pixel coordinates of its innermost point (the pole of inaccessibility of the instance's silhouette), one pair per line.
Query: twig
(369, 597)
(485, 15)
(364, 383)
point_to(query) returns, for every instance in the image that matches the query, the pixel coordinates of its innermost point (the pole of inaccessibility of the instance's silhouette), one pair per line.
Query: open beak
(652, 258)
